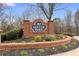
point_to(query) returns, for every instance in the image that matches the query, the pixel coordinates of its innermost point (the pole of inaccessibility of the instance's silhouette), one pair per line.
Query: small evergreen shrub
(12, 35)
(50, 38)
(38, 38)
(62, 48)
(46, 38)
(53, 38)
(40, 51)
(75, 43)
(24, 53)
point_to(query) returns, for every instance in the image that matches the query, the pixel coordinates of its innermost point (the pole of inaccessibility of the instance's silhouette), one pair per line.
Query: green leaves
(24, 53)
(40, 51)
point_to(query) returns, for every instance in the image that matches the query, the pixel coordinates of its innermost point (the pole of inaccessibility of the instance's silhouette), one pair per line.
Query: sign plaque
(39, 27)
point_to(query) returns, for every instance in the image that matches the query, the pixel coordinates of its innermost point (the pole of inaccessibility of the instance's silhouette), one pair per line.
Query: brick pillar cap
(26, 20)
(50, 21)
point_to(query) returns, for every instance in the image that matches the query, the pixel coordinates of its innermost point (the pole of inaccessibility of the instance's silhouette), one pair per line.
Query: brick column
(26, 28)
(50, 27)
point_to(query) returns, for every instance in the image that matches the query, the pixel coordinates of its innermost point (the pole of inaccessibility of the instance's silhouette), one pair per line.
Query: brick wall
(27, 28)
(16, 46)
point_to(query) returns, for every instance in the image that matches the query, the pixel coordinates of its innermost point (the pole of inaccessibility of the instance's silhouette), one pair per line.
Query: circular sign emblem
(39, 27)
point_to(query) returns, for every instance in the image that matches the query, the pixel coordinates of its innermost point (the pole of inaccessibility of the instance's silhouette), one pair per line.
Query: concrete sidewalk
(74, 52)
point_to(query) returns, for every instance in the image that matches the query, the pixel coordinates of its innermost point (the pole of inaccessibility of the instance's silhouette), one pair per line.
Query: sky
(18, 8)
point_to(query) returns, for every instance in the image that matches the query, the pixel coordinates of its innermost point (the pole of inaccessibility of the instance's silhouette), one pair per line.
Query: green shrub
(46, 38)
(3, 37)
(38, 38)
(33, 41)
(65, 46)
(40, 51)
(20, 33)
(74, 43)
(13, 34)
(53, 38)
(62, 48)
(24, 53)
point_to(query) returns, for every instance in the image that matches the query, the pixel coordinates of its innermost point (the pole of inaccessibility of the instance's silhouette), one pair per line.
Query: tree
(48, 12)
(12, 18)
(3, 17)
(56, 24)
(26, 13)
(48, 9)
(77, 21)
(18, 23)
(2, 7)
(68, 20)
(59, 25)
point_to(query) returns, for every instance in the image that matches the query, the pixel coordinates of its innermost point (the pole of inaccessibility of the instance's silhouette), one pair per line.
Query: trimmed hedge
(3, 37)
(12, 35)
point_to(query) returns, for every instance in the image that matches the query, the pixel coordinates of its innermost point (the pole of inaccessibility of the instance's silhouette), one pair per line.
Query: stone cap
(26, 20)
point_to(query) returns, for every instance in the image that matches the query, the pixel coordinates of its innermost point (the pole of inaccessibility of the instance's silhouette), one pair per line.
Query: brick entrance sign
(37, 27)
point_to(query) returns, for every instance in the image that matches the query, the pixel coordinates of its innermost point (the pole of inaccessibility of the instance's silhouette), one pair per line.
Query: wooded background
(70, 23)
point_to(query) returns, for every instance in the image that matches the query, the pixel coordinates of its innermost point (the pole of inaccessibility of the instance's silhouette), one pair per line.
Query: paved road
(74, 52)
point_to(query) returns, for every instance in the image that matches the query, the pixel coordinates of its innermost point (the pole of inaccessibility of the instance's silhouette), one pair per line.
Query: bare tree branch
(42, 8)
(60, 9)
